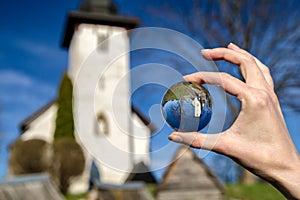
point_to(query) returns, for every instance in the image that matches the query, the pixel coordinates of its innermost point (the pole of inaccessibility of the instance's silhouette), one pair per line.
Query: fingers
(248, 66)
(266, 72)
(229, 83)
(199, 140)
(264, 69)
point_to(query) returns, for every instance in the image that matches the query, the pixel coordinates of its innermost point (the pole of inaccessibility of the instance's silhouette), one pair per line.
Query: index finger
(229, 83)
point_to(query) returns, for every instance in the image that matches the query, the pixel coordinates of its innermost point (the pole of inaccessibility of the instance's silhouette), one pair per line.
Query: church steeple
(103, 12)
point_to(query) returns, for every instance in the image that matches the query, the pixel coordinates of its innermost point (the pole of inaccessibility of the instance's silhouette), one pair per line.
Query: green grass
(76, 196)
(261, 191)
(152, 189)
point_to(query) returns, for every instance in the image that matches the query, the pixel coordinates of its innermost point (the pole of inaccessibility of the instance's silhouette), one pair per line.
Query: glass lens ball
(187, 106)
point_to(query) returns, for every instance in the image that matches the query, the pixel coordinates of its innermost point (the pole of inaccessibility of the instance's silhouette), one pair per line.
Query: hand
(258, 139)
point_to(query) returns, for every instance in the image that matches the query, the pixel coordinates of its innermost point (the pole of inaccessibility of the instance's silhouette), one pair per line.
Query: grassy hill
(261, 191)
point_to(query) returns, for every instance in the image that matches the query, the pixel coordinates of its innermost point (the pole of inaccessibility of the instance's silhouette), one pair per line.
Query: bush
(30, 156)
(69, 162)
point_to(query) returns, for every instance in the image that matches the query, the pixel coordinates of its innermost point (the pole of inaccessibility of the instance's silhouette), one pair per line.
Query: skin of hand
(259, 139)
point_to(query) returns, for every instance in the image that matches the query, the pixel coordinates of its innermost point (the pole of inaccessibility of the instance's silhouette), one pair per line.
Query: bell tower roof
(103, 12)
(99, 6)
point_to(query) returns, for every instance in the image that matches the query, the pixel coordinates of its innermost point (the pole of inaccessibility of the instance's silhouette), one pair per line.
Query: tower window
(102, 41)
(102, 126)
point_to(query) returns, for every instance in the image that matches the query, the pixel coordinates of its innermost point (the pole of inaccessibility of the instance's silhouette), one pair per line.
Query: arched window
(102, 126)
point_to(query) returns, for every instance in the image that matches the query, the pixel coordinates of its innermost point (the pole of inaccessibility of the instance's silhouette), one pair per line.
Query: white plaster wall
(43, 127)
(111, 149)
(142, 136)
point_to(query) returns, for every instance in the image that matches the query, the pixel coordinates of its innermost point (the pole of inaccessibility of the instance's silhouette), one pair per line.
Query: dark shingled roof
(28, 187)
(102, 12)
(144, 119)
(132, 190)
(141, 172)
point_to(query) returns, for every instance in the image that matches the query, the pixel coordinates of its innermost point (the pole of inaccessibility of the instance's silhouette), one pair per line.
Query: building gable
(189, 178)
(141, 172)
(25, 124)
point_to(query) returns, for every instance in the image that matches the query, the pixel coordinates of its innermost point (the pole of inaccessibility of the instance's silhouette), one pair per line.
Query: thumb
(198, 140)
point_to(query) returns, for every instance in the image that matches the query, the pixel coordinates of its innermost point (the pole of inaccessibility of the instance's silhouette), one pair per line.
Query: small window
(102, 41)
(102, 127)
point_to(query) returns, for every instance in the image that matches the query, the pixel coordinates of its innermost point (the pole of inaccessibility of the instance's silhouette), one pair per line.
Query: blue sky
(32, 62)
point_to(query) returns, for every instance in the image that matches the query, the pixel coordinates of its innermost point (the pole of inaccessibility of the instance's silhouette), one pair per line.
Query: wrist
(287, 179)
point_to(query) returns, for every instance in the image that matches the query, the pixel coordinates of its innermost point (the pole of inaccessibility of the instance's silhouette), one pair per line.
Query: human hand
(258, 139)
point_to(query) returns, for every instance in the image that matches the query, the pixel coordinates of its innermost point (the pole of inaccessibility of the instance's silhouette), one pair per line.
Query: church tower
(106, 132)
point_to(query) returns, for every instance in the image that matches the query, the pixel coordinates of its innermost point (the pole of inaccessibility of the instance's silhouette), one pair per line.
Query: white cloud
(14, 82)
(13, 78)
(20, 96)
(41, 51)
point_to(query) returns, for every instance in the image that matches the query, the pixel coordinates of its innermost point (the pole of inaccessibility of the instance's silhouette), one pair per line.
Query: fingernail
(234, 45)
(205, 50)
(175, 138)
(184, 77)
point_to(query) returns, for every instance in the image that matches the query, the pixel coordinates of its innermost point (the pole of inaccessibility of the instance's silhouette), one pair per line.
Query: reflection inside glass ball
(187, 106)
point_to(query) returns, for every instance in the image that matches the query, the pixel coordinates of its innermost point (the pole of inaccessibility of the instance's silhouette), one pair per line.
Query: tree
(64, 119)
(269, 29)
(69, 160)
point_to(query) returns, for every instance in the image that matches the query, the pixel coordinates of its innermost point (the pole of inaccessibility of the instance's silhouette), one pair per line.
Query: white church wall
(141, 140)
(103, 147)
(42, 127)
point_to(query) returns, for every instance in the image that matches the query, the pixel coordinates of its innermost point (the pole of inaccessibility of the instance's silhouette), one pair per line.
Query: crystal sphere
(187, 106)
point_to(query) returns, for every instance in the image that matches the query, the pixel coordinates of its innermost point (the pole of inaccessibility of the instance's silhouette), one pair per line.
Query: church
(114, 135)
